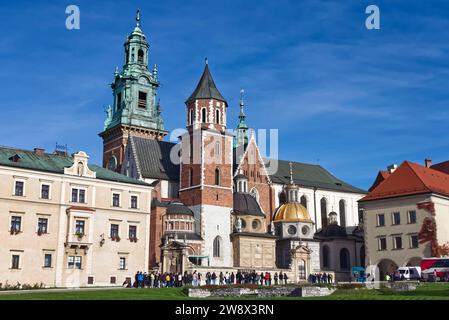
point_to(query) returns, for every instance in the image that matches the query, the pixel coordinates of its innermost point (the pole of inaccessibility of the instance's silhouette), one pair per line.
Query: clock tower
(134, 110)
(206, 169)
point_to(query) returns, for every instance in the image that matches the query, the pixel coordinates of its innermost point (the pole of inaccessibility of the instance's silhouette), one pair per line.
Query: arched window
(80, 168)
(323, 203)
(190, 177)
(203, 115)
(342, 205)
(326, 262)
(304, 201)
(217, 116)
(140, 56)
(217, 177)
(344, 259)
(282, 198)
(217, 247)
(190, 117)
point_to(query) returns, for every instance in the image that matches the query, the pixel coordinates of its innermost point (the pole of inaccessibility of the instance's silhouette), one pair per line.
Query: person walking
(281, 277)
(285, 278)
(214, 278)
(232, 277)
(276, 278)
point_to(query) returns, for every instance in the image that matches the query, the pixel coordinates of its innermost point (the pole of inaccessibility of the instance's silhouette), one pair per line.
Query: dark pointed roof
(246, 204)
(206, 88)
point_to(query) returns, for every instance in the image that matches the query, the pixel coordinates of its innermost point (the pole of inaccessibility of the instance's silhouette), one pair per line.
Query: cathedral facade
(215, 205)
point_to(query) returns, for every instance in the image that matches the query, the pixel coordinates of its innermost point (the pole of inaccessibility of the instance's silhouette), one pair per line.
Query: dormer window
(15, 158)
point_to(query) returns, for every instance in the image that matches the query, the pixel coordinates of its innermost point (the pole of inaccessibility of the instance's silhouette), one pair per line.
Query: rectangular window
(47, 260)
(18, 189)
(412, 216)
(396, 218)
(45, 191)
(380, 220)
(74, 262)
(42, 225)
(397, 242)
(142, 102)
(80, 227)
(132, 232)
(113, 280)
(114, 231)
(382, 243)
(116, 200)
(133, 202)
(414, 241)
(15, 262)
(78, 195)
(122, 265)
(16, 223)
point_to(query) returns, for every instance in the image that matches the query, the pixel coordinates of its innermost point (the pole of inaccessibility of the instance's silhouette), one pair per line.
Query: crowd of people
(320, 278)
(161, 280)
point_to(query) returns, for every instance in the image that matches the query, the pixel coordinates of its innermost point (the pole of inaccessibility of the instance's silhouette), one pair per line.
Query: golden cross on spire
(138, 18)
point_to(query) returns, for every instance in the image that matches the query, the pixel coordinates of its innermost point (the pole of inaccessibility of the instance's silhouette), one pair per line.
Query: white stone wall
(332, 197)
(215, 221)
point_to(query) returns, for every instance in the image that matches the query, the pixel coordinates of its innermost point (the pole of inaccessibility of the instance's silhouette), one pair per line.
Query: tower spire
(138, 18)
(242, 104)
(291, 173)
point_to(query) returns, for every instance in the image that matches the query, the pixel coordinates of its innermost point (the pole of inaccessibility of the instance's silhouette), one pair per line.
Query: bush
(19, 286)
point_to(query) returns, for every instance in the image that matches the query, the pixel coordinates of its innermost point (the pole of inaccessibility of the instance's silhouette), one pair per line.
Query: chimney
(39, 151)
(392, 168)
(428, 162)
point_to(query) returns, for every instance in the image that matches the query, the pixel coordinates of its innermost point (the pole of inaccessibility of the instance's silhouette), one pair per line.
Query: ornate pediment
(79, 167)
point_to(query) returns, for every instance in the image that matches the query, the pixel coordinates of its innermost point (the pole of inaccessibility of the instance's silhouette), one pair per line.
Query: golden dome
(292, 211)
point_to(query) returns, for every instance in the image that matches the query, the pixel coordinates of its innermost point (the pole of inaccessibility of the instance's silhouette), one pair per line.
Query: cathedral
(215, 205)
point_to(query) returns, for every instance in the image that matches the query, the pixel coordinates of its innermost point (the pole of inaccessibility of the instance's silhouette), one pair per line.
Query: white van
(410, 273)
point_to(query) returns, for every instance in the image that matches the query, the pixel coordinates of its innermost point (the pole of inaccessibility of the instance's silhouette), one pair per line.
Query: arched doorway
(386, 266)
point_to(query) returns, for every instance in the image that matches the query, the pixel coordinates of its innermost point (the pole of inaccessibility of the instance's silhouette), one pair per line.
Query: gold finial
(138, 18)
(206, 61)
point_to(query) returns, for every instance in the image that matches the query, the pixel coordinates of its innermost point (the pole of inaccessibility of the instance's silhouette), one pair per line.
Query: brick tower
(206, 169)
(135, 111)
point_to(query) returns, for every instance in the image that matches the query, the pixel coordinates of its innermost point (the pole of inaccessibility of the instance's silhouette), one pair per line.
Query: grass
(428, 291)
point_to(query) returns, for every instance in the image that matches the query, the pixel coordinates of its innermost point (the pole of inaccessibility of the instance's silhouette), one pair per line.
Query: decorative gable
(79, 167)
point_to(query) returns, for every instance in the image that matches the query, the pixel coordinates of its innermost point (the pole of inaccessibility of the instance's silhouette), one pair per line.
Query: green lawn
(426, 291)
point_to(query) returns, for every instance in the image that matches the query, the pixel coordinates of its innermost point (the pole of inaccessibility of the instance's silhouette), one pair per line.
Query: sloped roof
(334, 231)
(443, 167)
(153, 158)
(206, 88)
(178, 208)
(55, 163)
(245, 204)
(411, 178)
(309, 175)
(381, 177)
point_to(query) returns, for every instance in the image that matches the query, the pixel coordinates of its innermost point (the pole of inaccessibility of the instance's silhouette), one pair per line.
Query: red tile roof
(411, 178)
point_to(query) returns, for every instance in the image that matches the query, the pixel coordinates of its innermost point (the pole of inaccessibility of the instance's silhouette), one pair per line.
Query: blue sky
(350, 99)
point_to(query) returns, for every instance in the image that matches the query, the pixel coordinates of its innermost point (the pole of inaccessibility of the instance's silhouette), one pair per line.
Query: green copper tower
(241, 138)
(134, 110)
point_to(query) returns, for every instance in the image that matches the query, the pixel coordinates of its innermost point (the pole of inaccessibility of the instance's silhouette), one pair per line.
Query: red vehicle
(435, 266)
